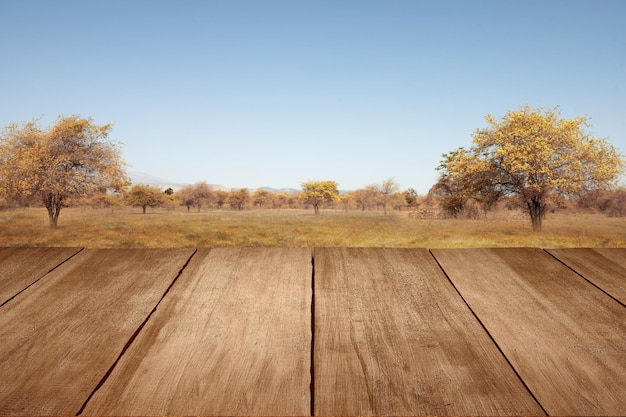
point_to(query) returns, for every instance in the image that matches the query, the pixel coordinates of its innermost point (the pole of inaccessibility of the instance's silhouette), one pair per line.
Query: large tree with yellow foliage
(319, 192)
(532, 153)
(72, 158)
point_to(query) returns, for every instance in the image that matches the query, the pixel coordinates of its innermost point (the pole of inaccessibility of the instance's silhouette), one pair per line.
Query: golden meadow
(122, 227)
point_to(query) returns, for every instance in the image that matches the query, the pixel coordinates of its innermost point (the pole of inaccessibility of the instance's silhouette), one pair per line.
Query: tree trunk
(143, 208)
(316, 208)
(536, 210)
(53, 216)
(385, 208)
(53, 205)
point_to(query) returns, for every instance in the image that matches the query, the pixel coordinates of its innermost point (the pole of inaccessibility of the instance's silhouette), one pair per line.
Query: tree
(261, 198)
(367, 197)
(221, 197)
(532, 154)
(195, 195)
(611, 202)
(386, 190)
(410, 197)
(201, 194)
(280, 200)
(144, 196)
(346, 201)
(71, 159)
(450, 196)
(458, 181)
(185, 196)
(239, 198)
(318, 192)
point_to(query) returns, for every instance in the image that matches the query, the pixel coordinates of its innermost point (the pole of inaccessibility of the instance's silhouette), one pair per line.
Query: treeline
(441, 204)
(202, 197)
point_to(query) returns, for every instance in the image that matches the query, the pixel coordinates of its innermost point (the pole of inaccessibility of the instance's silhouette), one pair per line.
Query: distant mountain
(278, 190)
(147, 179)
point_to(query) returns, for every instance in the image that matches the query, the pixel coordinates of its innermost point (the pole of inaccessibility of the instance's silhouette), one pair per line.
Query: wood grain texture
(605, 267)
(393, 337)
(233, 337)
(20, 267)
(565, 338)
(61, 336)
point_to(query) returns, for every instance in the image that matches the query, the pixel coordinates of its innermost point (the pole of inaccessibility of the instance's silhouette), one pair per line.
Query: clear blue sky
(274, 93)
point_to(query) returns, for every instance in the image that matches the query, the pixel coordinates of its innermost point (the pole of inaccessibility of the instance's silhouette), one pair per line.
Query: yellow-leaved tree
(143, 195)
(318, 192)
(72, 158)
(532, 153)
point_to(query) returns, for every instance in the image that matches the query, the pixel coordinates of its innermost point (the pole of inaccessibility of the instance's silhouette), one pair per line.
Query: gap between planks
(134, 336)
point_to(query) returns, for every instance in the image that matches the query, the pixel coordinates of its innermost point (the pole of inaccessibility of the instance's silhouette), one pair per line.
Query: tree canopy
(196, 195)
(318, 192)
(531, 153)
(239, 198)
(72, 158)
(386, 190)
(142, 195)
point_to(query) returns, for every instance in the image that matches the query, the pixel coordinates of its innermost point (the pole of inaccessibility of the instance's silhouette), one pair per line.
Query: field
(168, 228)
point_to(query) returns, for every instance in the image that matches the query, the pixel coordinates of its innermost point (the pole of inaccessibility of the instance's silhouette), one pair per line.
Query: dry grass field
(128, 228)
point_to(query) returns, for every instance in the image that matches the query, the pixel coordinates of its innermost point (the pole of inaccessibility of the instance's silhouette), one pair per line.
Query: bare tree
(386, 191)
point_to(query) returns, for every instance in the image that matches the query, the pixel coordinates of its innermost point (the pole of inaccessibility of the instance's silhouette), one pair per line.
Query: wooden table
(323, 331)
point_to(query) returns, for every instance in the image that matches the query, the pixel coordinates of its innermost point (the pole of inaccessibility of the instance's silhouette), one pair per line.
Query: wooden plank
(565, 337)
(605, 267)
(61, 336)
(20, 267)
(393, 337)
(233, 337)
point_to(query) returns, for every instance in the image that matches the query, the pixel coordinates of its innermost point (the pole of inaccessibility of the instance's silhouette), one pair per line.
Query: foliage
(261, 198)
(143, 196)
(221, 197)
(196, 195)
(388, 188)
(239, 198)
(464, 178)
(366, 198)
(70, 159)
(103, 200)
(530, 154)
(378, 195)
(280, 200)
(410, 197)
(610, 202)
(185, 196)
(318, 192)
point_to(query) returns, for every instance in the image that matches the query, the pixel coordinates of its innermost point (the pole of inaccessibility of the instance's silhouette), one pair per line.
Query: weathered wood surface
(233, 337)
(232, 331)
(605, 267)
(393, 337)
(21, 267)
(60, 336)
(565, 337)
